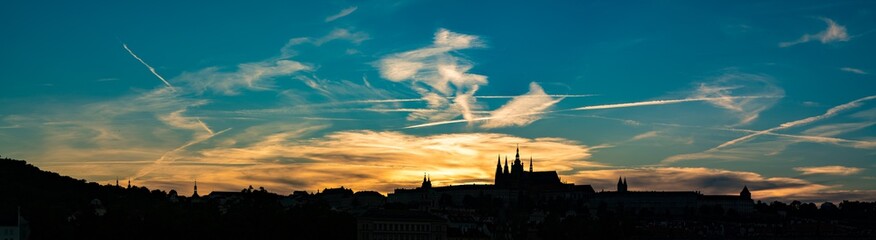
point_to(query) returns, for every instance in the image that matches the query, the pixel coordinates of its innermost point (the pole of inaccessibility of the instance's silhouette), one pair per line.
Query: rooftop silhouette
(529, 204)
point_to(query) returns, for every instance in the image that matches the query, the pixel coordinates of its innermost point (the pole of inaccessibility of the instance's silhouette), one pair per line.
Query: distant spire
(506, 165)
(129, 183)
(530, 163)
(517, 157)
(626, 187)
(424, 176)
(117, 182)
(196, 190)
(620, 184)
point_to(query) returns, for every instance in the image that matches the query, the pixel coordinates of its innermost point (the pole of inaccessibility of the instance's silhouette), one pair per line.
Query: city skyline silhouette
(487, 119)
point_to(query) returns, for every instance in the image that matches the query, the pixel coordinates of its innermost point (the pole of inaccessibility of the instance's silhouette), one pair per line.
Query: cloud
(437, 74)
(706, 180)
(854, 70)
(176, 119)
(168, 157)
(586, 108)
(829, 170)
(722, 90)
(151, 69)
(372, 160)
(837, 129)
(251, 76)
(476, 97)
(345, 34)
(833, 33)
(649, 134)
(521, 110)
(659, 102)
(343, 13)
(829, 113)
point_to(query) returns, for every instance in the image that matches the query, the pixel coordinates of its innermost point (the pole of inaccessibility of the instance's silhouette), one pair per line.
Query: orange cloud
(830, 170)
(362, 160)
(706, 180)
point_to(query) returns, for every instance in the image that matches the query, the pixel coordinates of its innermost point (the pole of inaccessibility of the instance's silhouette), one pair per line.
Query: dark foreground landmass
(52, 206)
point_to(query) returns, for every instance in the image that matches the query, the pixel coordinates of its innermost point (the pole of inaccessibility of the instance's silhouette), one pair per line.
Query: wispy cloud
(854, 70)
(170, 155)
(829, 113)
(648, 134)
(587, 108)
(252, 76)
(522, 110)
(151, 69)
(342, 33)
(343, 13)
(375, 160)
(476, 97)
(206, 128)
(829, 170)
(833, 33)
(437, 75)
(722, 90)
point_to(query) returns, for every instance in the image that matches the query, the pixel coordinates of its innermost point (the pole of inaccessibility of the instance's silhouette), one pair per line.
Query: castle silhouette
(513, 185)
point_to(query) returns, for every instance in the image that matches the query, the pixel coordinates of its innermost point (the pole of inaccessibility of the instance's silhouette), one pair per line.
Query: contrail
(829, 113)
(662, 102)
(165, 156)
(810, 138)
(151, 69)
(205, 126)
(472, 120)
(596, 107)
(476, 97)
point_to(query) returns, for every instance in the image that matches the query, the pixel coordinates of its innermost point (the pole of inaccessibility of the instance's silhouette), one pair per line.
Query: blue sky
(370, 95)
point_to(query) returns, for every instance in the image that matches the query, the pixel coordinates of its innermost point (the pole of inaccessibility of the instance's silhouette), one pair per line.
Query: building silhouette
(400, 224)
(514, 186)
(517, 178)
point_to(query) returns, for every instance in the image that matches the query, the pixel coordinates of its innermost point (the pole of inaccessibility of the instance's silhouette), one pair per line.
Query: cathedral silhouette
(514, 185)
(518, 178)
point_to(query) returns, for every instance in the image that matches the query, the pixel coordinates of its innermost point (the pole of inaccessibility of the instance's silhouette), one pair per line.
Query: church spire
(506, 165)
(129, 183)
(745, 194)
(620, 184)
(626, 187)
(517, 157)
(530, 163)
(196, 190)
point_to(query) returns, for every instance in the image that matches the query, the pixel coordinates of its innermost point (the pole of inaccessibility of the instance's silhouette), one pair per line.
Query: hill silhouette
(61, 207)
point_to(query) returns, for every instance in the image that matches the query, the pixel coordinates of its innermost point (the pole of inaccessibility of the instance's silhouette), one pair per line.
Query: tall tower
(517, 167)
(427, 183)
(620, 185)
(497, 180)
(626, 187)
(530, 163)
(196, 190)
(506, 165)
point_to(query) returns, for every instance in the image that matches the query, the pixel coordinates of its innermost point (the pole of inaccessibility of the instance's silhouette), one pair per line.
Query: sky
(372, 95)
